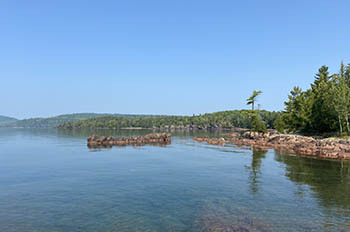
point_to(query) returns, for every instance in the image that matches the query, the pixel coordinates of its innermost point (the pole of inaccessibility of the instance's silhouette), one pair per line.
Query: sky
(178, 57)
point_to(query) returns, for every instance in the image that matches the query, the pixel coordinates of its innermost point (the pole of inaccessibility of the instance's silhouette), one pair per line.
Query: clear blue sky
(163, 57)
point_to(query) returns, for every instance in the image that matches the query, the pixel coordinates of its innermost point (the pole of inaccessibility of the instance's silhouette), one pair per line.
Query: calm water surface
(51, 181)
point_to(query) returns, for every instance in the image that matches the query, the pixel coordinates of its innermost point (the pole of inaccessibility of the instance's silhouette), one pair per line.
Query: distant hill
(222, 119)
(6, 120)
(50, 122)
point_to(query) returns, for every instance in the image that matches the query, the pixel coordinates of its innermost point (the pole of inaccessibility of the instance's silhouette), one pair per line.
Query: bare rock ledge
(329, 148)
(153, 138)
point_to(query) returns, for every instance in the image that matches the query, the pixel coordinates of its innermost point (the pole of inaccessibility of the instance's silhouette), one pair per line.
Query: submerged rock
(153, 138)
(221, 217)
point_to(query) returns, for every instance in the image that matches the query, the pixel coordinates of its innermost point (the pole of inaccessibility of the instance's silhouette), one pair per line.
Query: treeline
(223, 119)
(50, 122)
(323, 108)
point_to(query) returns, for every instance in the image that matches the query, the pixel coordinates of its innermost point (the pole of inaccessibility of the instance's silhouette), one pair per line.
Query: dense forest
(323, 108)
(223, 119)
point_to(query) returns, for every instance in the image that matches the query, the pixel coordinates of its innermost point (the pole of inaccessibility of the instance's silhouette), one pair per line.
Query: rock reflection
(95, 148)
(100, 147)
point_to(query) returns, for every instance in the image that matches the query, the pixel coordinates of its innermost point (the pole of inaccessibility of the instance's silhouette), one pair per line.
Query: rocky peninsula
(327, 148)
(153, 138)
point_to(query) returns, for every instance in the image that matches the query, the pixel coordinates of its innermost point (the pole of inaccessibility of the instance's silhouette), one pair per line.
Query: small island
(152, 138)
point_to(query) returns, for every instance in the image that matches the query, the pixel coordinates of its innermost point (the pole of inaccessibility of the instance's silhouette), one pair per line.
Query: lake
(51, 181)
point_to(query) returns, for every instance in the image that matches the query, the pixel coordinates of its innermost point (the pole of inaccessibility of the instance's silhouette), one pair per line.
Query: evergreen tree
(298, 110)
(252, 99)
(256, 122)
(323, 115)
(341, 99)
(323, 108)
(347, 74)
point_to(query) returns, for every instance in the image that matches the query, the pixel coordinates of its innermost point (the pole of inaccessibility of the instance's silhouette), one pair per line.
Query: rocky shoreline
(153, 138)
(328, 148)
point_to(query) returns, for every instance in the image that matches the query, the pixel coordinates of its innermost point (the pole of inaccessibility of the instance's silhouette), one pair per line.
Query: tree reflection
(255, 169)
(329, 180)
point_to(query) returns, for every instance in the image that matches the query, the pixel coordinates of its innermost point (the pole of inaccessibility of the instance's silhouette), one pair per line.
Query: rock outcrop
(153, 138)
(330, 148)
(211, 141)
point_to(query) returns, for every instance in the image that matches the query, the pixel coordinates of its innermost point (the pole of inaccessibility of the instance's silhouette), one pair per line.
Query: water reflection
(255, 169)
(48, 177)
(330, 180)
(135, 132)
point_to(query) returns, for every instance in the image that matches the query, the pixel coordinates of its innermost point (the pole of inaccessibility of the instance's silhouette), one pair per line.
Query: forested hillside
(6, 120)
(223, 119)
(50, 122)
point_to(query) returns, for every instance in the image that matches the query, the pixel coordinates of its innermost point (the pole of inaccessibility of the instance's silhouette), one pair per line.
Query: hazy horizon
(49, 116)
